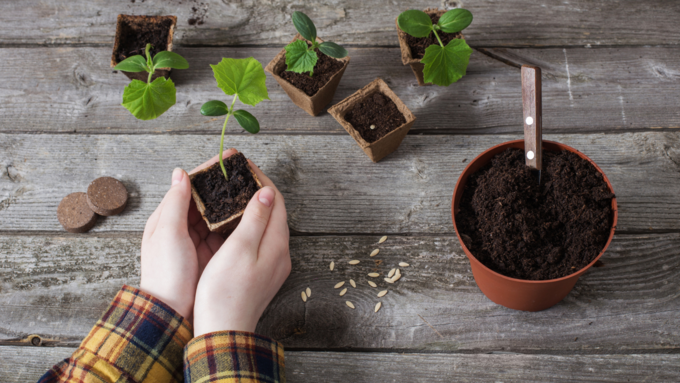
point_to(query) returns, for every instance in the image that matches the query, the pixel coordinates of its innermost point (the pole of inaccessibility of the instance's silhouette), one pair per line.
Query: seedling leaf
(299, 58)
(333, 50)
(304, 25)
(455, 20)
(416, 23)
(167, 59)
(147, 101)
(446, 65)
(247, 121)
(135, 63)
(214, 108)
(243, 77)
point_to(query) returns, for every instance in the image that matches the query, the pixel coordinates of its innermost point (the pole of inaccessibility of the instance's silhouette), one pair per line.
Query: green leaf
(214, 108)
(455, 20)
(304, 25)
(415, 23)
(446, 65)
(243, 77)
(333, 50)
(135, 63)
(148, 101)
(299, 58)
(247, 121)
(172, 60)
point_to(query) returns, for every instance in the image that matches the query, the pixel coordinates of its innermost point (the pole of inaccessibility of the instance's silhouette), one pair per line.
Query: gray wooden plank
(584, 90)
(553, 22)
(329, 184)
(24, 364)
(57, 287)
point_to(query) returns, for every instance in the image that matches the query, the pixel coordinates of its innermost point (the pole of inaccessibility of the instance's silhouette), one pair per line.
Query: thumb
(176, 202)
(256, 216)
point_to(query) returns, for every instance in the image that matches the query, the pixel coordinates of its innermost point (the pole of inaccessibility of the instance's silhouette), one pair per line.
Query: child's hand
(246, 272)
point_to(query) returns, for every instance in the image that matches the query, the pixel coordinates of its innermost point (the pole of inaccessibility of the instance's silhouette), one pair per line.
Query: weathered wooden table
(611, 85)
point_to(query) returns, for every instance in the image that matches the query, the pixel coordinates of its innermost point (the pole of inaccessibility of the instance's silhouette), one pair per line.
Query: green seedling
(301, 57)
(444, 65)
(245, 80)
(148, 100)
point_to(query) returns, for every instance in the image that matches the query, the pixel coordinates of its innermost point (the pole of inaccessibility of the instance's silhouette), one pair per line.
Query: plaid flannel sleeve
(234, 357)
(138, 339)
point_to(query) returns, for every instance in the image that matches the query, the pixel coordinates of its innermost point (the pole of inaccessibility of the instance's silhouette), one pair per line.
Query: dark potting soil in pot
(378, 111)
(324, 69)
(526, 231)
(222, 199)
(419, 44)
(134, 38)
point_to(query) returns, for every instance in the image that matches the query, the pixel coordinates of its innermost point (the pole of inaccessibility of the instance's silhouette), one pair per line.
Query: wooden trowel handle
(531, 104)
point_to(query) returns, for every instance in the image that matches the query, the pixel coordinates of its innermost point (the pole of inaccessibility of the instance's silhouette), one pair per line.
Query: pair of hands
(224, 284)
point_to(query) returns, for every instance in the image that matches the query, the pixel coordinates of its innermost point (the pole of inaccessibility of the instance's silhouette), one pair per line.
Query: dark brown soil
(134, 38)
(377, 110)
(222, 199)
(324, 69)
(522, 230)
(419, 44)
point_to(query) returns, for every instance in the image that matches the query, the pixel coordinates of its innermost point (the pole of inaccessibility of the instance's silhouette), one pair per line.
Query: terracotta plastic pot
(514, 293)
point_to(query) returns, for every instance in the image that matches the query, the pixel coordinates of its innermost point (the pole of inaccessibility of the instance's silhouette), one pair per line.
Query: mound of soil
(419, 44)
(524, 230)
(378, 111)
(324, 69)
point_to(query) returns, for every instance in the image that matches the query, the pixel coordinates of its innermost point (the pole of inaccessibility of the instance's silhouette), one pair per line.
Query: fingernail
(177, 175)
(266, 196)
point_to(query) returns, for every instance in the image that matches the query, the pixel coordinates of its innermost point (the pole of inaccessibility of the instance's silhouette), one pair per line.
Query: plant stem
(437, 36)
(224, 128)
(148, 81)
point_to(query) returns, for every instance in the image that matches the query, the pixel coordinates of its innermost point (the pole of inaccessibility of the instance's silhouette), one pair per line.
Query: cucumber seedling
(245, 80)
(444, 65)
(148, 100)
(300, 56)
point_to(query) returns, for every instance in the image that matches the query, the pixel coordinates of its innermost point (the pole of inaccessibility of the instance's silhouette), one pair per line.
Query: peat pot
(514, 293)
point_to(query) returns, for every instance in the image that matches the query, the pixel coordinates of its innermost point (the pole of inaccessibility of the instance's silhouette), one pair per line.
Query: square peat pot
(406, 56)
(228, 225)
(310, 104)
(377, 150)
(129, 25)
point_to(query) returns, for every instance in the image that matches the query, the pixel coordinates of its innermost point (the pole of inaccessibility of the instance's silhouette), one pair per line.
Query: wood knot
(35, 340)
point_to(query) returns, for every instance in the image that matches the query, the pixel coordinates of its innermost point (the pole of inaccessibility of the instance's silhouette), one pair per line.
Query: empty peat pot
(519, 294)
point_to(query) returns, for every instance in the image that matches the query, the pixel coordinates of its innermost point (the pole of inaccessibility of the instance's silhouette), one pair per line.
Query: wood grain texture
(27, 364)
(584, 90)
(57, 287)
(506, 23)
(329, 184)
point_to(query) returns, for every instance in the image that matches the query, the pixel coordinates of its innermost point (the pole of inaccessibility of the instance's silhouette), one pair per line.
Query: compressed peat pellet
(107, 196)
(75, 214)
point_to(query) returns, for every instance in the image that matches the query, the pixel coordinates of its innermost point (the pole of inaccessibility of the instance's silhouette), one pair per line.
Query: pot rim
(459, 189)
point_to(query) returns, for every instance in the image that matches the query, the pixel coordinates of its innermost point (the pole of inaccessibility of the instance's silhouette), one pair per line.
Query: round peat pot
(519, 294)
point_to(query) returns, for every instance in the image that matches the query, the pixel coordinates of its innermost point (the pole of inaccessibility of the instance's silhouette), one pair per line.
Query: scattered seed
(383, 239)
(391, 273)
(343, 291)
(404, 264)
(389, 280)
(339, 285)
(396, 278)
(382, 293)
(372, 284)
(309, 292)
(378, 306)
(375, 252)
(373, 275)
(351, 282)
(354, 262)
(304, 296)
(398, 272)
(349, 304)
(372, 127)
(332, 265)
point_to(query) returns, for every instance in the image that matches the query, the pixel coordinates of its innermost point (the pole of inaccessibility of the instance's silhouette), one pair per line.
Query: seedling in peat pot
(300, 56)
(149, 100)
(244, 79)
(444, 65)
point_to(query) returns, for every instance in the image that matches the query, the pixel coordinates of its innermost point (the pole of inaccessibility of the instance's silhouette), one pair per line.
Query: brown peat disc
(75, 214)
(107, 196)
